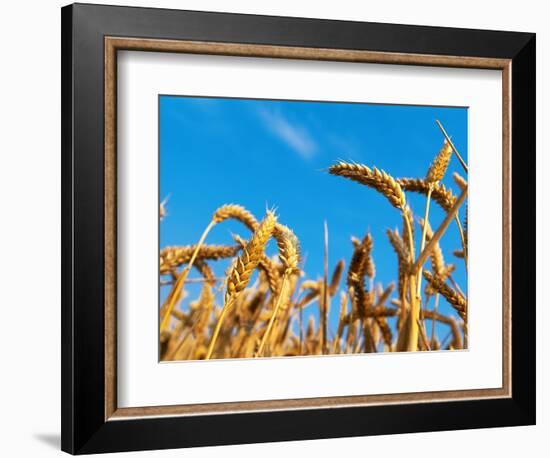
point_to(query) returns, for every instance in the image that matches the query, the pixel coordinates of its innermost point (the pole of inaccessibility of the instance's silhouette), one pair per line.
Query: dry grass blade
(374, 178)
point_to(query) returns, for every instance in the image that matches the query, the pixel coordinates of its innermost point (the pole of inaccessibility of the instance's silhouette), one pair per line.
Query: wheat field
(260, 312)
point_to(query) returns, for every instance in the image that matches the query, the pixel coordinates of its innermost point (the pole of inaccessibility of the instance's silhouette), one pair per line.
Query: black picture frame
(84, 426)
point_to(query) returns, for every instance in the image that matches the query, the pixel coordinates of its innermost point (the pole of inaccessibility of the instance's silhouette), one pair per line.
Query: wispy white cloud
(295, 136)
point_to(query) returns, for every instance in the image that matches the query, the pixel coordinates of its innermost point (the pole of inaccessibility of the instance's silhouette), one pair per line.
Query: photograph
(310, 228)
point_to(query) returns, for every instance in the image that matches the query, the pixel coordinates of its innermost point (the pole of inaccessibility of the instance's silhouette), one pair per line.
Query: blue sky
(275, 154)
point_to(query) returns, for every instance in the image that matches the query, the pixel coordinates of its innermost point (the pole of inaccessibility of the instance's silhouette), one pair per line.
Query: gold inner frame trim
(114, 44)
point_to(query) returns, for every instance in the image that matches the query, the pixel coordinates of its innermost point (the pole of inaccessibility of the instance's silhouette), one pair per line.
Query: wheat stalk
(289, 254)
(408, 338)
(325, 303)
(439, 233)
(403, 258)
(341, 322)
(436, 256)
(242, 271)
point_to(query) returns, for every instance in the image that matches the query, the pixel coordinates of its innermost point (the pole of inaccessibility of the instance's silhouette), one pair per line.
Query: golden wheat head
(289, 248)
(440, 194)
(237, 212)
(250, 257)
(439, 166)
(458, 302)
(374, 178)
(172, 257)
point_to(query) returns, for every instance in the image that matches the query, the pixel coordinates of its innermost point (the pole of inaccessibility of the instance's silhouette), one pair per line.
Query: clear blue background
(275, 154)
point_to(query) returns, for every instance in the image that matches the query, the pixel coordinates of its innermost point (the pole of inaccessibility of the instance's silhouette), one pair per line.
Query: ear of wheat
(439, 166)
(250, 257)
(454, 298)
(266, 265)
(173, 257)
(360, 265)
(374, 178)
(237, 212)
(440, 194)
(336, 277)
(436, 172)
(289, 248)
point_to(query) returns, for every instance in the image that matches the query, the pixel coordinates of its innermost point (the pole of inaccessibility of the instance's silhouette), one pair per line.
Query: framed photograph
(281, 228)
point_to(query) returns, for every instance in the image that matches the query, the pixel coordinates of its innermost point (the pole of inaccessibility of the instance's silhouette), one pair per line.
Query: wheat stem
(409, 342)
(325, 294)
(219, 323)
(423, 334)
(436, 306)
(438, 234)
(273, 316)
(423, 239)
(462, 241)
